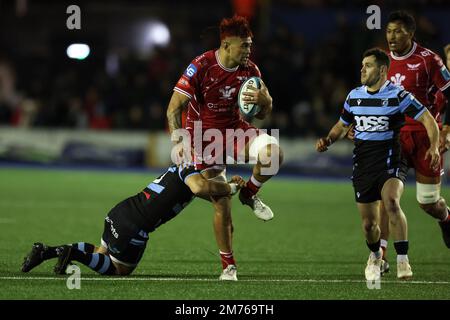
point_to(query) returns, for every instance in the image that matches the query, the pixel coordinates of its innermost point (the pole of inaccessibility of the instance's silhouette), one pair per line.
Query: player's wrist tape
(233, 187)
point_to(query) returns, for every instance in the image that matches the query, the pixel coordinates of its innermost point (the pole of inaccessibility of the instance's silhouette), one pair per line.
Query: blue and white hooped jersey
(167, 196)
(377, 118)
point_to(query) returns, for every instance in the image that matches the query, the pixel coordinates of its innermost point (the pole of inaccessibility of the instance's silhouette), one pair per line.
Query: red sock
(227, 259)
(448, 217)
(384, 251)
(251, 188)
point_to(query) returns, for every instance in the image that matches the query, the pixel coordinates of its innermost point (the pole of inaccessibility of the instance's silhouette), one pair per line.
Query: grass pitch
(313, 248)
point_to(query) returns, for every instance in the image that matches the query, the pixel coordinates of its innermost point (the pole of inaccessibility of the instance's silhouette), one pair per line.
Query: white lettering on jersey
(425, 53)
(371, 123)
(398, 79)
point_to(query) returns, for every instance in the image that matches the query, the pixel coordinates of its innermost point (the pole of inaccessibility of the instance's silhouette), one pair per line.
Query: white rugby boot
(404, 270)
(373, 268)
(229, 273)
(260, 209)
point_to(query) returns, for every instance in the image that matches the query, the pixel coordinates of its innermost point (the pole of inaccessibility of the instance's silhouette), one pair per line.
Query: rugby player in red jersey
(209, 88)
(421, 72)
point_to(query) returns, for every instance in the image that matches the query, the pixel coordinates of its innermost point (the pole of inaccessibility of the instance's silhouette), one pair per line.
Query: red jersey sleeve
(189, 80)
(439, 73)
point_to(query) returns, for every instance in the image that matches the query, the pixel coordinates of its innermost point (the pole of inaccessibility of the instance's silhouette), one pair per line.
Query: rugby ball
(248, 109)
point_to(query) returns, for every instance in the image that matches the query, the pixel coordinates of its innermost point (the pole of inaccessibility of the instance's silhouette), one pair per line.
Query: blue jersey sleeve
(186, 170)
(409, 105)
(346, 115)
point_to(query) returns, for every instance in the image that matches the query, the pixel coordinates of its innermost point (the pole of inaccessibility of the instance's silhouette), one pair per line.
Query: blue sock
(98, 262)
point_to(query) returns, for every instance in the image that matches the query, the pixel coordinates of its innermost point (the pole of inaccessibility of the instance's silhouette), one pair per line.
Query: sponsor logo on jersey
(397, 79)
(190, 71)
(227, 92)
(372, 123)
(413, 67)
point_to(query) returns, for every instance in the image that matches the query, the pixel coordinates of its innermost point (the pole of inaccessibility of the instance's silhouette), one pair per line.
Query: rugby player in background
(421, 72)
(377, 109)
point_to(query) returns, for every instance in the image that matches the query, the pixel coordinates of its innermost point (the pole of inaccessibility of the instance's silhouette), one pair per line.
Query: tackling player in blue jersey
(377, 109)
(128, 224)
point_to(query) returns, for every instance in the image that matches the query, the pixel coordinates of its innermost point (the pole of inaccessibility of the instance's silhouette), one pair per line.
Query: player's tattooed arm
(338, 131)
(177, 104)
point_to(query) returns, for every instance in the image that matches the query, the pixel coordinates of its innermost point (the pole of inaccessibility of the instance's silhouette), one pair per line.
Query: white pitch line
(243, 280)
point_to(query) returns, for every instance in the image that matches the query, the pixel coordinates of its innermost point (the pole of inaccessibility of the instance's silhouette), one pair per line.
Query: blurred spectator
(309, 53)
(9, 98)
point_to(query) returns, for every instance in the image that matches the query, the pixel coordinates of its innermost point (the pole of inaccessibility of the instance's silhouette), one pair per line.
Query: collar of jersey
(385, 84)
(222, 66)
(406, 56)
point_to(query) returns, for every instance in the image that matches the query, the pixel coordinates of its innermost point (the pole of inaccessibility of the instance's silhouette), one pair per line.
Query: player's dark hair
(236, 26)
(381, 57)
(405, 18)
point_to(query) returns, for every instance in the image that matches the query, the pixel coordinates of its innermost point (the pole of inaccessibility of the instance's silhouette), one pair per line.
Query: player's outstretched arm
(338, 131)
(433, 134)
(204, 188)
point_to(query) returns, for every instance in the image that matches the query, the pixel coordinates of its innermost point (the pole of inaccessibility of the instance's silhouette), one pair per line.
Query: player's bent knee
(392, 206)
(259, 145)
(369, 225)
(428, 193)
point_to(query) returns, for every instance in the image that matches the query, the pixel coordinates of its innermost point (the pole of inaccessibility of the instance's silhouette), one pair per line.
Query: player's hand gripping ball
(247, 108)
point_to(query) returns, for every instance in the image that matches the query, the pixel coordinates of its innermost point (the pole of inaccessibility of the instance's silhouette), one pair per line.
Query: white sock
(255, 182)
(383, 243)
(402, 258)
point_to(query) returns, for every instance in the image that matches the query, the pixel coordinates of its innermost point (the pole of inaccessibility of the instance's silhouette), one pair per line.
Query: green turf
(313, 249)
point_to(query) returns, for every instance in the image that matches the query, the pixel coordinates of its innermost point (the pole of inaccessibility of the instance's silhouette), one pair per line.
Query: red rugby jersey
(213, 91)
(421, 72)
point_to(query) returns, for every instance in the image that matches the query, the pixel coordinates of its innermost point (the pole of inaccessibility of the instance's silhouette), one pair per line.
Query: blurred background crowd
(309, 52)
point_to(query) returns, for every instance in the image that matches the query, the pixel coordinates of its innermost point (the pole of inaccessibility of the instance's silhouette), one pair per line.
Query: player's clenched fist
(323, 144)
(435, 158)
